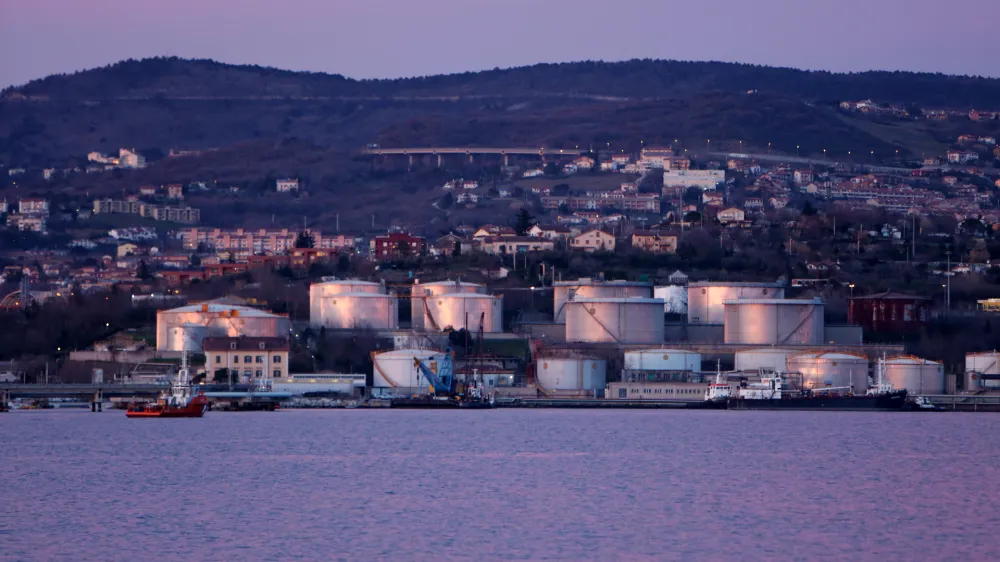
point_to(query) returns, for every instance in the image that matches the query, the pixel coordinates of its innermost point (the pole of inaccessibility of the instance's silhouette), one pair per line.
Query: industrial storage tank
(982, 371)
(348, 311)
(395, 371)
(706, 299)
(564, 291)
(616, 320)
(581, 374)
(420, 301)
(218, 320)
(774, 321)
(764, 359)
(662, 360)
(820, 370)
(465, 310)
(329, 287)
(187, 337)
(916, 375)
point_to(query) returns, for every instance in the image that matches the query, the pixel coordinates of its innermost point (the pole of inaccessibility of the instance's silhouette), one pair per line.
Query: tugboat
(716, 395)
(178, 402)
(769, 394)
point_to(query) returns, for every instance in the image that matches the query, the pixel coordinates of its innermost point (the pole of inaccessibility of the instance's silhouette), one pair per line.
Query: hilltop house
(593, 240)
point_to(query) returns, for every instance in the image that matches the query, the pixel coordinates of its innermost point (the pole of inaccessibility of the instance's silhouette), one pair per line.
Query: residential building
(287, 184)
(129, 158)
(556, 233)
(470, 184)
(246, 358)
(593, 240)
(802, 176)
(533, 173)
(147, 190)
(185, 215)
(264, 241)
(127, 249)
(397, 245)
(962, 156)
(33, 206)
(702, 179)
(47, 173)
(493, 230)
(449, 244)
(654, 242)
(731, 215)
(584, 163)
(467, 198)
(175, 191)
(499, 245)
(3, 207)
(641, 202)
(31, 223)
(753, 204)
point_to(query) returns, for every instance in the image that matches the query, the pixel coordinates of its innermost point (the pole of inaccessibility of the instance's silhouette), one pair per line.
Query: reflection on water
(357, 484)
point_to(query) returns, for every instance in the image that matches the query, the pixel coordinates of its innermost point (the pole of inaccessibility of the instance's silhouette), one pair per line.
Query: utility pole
(948, 274)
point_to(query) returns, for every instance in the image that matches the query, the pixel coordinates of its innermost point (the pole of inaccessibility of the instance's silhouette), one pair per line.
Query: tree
(524, 222)
(447, 200)
(195, 260)
(143, 271)
(305, 240)
(552, 169)
(457, 250)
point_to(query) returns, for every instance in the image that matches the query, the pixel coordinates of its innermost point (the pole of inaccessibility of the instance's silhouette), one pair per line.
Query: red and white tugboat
(179, 402)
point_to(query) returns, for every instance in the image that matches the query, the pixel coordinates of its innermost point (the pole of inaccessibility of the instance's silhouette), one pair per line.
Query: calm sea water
(504, 484)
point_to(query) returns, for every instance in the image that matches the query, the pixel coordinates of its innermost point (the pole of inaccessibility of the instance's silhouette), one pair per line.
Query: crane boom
(443, 381)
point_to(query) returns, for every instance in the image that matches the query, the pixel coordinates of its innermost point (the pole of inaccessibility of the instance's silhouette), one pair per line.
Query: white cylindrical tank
(421, 303)
(564, 291)
(918, 376)
(465, 310)
(218, 320)
(764, 359)
(820, 370)
(187, 337)
(617, 320)
(662, 360)
(774, 321)
(675, 298)
(318, 291)
(396, 371)
(705, 299)
(571, 373)
(349, 311)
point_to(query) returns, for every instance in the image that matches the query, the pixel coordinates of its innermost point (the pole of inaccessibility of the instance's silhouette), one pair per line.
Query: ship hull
(895, 401)
(430, 403)
(194, 409)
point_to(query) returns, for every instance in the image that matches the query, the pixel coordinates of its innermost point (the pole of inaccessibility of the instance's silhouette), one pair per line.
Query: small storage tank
(465, 310)
(918, 376)
(571, 373)
(420, 304)
(187, 337)
(764, 358)
(616, 320)
(349, 311)
(564, 291)
(219, 320)
(774, 321)
(329, 287)
(395, 371)
(820, 370)
(982, 371)
(705, 299)
(662, 360)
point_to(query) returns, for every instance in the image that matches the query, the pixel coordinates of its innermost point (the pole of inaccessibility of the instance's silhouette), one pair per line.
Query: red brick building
(397, 245)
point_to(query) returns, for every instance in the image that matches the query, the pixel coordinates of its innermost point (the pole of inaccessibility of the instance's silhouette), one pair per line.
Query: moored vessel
(771, 394)
(180, 401)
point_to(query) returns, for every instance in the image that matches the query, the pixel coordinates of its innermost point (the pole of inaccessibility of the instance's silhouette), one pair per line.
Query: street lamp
(852, 289)
(797, 150)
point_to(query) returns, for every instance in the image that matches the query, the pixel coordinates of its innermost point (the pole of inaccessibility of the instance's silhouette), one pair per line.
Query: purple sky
(390, 38)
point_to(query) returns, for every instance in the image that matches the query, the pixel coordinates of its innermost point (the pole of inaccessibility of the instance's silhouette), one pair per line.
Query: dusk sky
(391, 38)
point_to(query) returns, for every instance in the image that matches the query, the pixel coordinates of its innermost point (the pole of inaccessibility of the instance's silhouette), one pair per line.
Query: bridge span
(470, 151)
(96, 392)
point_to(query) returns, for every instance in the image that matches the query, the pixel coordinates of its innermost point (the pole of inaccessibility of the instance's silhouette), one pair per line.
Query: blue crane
(442, 383)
